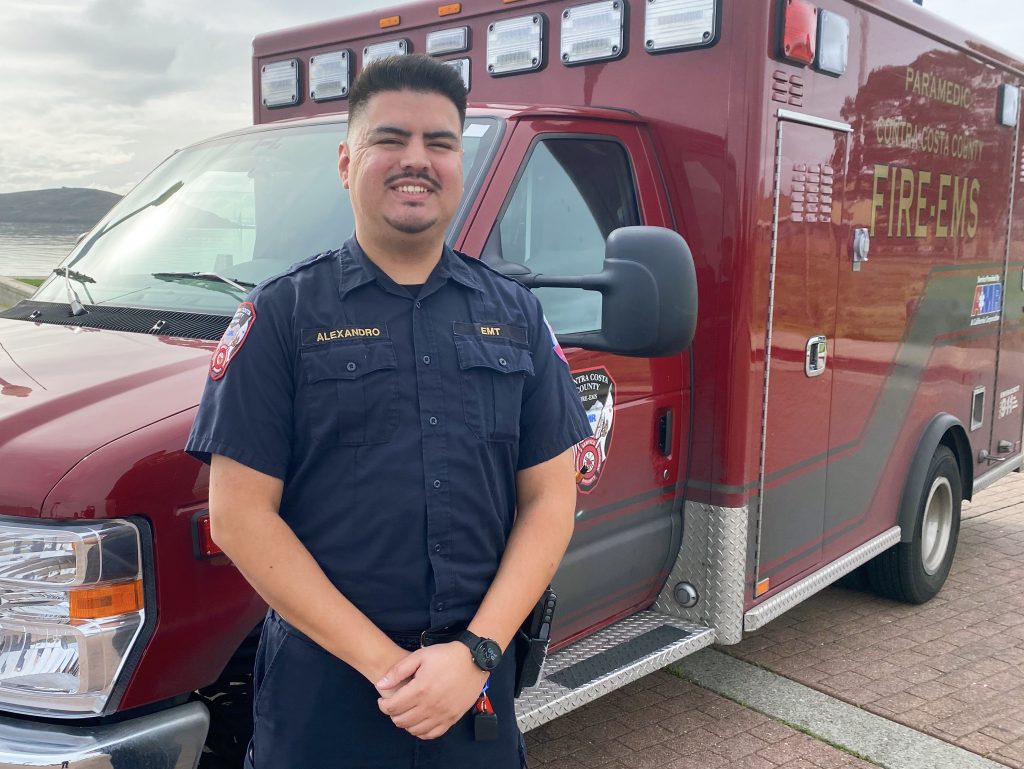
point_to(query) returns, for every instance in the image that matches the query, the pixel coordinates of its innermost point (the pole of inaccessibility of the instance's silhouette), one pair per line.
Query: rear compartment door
(809, 234)
(560, 187)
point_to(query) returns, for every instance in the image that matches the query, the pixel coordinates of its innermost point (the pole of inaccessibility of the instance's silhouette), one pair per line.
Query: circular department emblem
(231, 342)
(596, 389)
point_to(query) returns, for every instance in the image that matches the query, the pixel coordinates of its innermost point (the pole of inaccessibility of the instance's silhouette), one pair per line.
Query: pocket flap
(347, 361)
(497, 356)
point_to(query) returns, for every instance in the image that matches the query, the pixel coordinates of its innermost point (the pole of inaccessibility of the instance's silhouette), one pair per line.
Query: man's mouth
(412, 189)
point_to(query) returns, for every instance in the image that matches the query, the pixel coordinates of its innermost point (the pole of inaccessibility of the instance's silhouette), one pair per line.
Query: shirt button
(418, 305)
(351, 366)
(437, 548)
(433, 420)
(426, 359)
(440, 607)
(437, 484)
(502, 361)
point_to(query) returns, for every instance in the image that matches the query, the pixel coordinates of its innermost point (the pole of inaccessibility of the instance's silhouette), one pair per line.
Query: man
(390, 429)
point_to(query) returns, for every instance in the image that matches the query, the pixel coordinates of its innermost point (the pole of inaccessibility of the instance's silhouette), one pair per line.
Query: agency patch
(231, 342)
(596, 389)
(554, 343)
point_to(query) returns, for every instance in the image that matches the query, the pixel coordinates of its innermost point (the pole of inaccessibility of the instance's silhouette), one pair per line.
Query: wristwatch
(486, 653)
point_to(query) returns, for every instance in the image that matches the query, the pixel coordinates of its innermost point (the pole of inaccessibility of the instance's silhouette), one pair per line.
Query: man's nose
(415, 155)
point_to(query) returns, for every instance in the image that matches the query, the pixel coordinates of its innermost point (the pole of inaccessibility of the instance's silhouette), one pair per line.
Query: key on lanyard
(485, 722)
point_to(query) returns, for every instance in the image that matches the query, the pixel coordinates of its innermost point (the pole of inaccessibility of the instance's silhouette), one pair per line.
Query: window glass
(570, 197)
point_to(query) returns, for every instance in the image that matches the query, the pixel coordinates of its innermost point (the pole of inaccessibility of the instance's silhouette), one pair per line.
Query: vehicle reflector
(390, 21)
(671, 24)
(833, 42)
(203, 536)
(106, 600)
(515, 45)
(1009, 104)
(377, 51)
(448, 41)
(799, 31)
(592, 32)
(279, 83)
(762, 587)
(329, 75)
(462, 67)
(449, 10)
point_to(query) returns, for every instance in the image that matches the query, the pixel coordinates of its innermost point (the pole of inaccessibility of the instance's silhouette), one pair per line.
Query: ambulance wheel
(229, 701)
(915, 571)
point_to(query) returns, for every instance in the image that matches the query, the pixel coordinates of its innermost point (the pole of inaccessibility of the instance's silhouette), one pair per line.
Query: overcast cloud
(94, 93)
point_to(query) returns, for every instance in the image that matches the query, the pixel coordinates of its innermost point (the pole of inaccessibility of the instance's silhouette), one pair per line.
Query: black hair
(413, 72)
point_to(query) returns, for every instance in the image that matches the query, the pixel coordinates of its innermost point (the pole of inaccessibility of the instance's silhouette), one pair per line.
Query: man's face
(402, 164)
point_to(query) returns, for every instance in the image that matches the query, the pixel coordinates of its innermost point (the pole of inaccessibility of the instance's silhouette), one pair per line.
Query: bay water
(33, 250)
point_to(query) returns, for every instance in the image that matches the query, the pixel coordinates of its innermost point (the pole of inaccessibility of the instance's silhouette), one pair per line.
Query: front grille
(190, 325)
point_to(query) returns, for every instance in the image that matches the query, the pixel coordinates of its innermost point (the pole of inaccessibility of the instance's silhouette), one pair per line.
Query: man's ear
(344, 160)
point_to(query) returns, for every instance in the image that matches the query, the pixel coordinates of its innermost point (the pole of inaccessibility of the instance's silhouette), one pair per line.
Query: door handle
(665, 432)
(816, 356)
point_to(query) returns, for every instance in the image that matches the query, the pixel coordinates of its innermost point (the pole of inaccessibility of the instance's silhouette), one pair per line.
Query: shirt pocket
(492, 376)
(351, 392)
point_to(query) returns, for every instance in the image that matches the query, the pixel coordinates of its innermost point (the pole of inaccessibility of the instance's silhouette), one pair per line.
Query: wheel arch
(943, 430)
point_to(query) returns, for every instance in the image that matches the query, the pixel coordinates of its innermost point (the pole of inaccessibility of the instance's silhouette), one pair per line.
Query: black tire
(906, 572)
(229, 701)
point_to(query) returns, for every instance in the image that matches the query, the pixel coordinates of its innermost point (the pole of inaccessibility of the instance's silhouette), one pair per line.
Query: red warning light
(799, 31)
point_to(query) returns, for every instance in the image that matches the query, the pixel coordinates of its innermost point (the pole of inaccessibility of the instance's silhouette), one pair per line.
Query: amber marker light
(390, 21)
(761, 588)
(449, 10)
(106, 600)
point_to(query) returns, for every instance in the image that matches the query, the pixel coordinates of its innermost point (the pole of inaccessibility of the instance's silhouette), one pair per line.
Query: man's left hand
(441, 683)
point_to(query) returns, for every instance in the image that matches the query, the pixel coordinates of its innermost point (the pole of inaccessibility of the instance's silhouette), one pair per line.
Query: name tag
(314, 336)
(492, 331)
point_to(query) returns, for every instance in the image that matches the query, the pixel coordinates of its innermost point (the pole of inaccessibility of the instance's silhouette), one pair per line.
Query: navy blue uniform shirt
(396, 421)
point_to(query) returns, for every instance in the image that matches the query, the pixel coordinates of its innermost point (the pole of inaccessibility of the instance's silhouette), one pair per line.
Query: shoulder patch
(554, 343)
(231, 342)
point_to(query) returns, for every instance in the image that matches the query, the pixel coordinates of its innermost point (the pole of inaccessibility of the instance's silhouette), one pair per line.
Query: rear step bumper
(607, 660)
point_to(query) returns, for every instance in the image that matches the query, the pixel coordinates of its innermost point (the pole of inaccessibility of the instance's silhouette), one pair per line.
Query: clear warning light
(592, 32)
(1009, 104)
(671, 24)
(448, 41)
(515, 45)
(833, 42)
(462, 67)
(279, 83)
(372, 53)
(329, 75)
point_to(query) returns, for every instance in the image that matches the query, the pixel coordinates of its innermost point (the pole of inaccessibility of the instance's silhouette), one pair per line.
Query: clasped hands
(430, 689)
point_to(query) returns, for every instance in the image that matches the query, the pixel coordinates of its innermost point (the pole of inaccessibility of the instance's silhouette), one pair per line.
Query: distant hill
(67, 205)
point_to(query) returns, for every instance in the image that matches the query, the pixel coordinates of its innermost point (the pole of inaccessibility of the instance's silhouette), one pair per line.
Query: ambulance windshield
(243, 208)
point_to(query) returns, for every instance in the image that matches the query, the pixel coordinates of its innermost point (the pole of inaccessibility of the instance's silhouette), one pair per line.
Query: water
(33, 250)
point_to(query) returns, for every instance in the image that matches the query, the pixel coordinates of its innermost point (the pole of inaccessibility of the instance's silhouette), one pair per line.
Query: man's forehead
(392, 108)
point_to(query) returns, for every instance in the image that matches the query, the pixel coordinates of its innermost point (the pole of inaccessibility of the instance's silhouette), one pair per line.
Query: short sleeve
(246, 409)
(552, 418)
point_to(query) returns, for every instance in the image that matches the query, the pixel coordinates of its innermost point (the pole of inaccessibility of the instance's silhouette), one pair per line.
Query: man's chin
(407, 227)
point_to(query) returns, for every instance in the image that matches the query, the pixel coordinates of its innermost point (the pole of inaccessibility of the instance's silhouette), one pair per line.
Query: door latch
(861, 246)
(817, 353)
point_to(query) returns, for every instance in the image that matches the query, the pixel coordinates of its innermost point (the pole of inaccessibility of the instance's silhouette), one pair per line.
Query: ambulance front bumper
(171, 739)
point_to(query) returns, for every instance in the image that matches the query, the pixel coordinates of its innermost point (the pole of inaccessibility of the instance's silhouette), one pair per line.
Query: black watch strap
(486, 653)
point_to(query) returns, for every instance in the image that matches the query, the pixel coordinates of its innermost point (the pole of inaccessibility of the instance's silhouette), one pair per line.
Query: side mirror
(649, 287)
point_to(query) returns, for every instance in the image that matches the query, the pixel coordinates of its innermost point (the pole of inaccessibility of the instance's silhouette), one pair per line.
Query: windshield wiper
(77, 308)
(207, 277)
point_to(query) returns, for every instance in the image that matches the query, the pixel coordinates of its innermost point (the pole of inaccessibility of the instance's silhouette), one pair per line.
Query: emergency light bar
(372, 53)
(329, 75)
(279, 83)
(452, 40)
(592, 32)
(462, 67)
(672, 24)
(515, 45)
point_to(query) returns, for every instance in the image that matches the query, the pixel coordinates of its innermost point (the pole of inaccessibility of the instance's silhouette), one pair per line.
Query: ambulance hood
(67, 391)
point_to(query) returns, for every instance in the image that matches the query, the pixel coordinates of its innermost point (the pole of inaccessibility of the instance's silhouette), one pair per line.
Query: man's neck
(408, 261)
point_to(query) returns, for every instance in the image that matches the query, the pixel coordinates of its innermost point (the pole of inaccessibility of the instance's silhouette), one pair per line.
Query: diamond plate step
(610, 658)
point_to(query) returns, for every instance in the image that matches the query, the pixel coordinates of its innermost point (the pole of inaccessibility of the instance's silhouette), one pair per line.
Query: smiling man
(390, 438)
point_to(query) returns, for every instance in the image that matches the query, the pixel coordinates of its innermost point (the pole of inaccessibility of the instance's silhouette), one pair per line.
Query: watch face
(488, 654)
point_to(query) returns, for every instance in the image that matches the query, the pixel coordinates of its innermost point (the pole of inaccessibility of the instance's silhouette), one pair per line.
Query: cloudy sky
(94, 93)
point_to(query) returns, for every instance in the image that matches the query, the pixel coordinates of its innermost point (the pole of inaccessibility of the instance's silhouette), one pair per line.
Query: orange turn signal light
(390, 21)
(761, 587)
(106, 600)
(449, 10)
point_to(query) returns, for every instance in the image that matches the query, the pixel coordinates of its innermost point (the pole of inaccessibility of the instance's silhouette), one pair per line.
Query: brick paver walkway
(953, 668)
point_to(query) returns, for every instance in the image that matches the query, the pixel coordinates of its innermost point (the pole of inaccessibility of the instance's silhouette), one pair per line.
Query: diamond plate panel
(805, 588)
(548, 700)
(713, 558)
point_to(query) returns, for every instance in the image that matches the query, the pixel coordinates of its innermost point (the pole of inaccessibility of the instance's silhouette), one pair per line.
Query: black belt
(410, 640)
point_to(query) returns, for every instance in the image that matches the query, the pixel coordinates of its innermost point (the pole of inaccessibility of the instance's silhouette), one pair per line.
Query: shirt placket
(429, 390)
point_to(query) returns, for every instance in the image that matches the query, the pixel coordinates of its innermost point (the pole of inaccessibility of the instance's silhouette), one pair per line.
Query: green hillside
(67, 205)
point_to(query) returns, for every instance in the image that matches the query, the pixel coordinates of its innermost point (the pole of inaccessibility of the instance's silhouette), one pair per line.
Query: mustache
(419, 177)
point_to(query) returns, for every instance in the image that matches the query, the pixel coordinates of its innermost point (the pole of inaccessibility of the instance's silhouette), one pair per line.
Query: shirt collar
(360, 269)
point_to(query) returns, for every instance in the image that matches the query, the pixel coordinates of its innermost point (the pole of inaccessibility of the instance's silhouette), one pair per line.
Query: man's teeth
(412, 189)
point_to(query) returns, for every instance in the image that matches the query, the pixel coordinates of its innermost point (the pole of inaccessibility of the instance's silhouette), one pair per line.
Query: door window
(571, 195)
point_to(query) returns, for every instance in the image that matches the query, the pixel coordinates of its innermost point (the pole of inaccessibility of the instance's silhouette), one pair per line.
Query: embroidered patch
(596, 389)
(554, 343)
(491, 331)
(231, 342)
(312, 336)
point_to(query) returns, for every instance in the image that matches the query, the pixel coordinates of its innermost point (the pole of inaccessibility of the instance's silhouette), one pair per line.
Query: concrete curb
(872, 737)
(13, 291)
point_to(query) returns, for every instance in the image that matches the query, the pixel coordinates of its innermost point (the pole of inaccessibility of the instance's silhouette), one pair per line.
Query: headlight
(71, 605)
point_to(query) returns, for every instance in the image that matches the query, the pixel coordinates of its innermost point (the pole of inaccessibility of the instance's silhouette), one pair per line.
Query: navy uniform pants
(313, 711)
